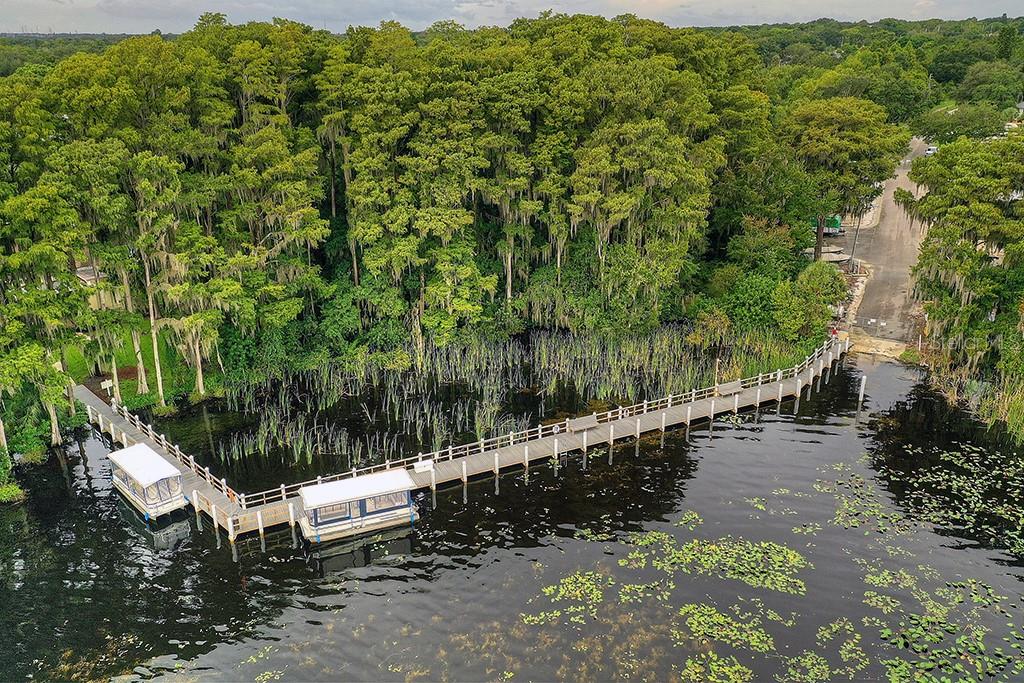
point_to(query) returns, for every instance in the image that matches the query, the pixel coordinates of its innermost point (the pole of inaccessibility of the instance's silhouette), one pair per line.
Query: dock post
(291, 515)
(433, 480)
(195, 503)
(736, 403)
(780, 393)
(495, 463)
(283, 494)
(241, 500)
(860, 396)
(464, 477)
(213, 514)
(711, 420)
(585, 433)
(611, 433)
(638, 428)
(526, 458)
(99, 422)
(689, 411)
(224, 483)
(663, 421)
(259, 523)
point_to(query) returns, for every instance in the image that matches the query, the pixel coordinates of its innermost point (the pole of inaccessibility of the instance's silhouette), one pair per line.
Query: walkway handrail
(175, 451)
(542, 431)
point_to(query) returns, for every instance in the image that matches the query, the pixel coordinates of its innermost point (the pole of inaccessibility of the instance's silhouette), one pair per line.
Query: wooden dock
(240, 513)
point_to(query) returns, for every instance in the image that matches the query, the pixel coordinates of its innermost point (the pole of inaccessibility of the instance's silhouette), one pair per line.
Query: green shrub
(11, 493)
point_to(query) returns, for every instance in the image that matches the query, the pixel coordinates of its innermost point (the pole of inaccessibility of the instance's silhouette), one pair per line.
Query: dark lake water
(87, 591)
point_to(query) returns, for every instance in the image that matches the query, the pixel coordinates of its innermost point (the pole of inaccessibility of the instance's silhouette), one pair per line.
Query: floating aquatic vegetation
(762, 564)
(690, 519)
(707, 667)
(705, 623)
(583, 591)
(976, 491)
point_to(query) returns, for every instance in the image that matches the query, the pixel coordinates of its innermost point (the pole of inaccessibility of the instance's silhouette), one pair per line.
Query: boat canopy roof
(356, 488)
(143, 464)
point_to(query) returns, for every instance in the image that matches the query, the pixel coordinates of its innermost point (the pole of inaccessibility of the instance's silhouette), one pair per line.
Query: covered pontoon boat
(358, 505)
(151, 484)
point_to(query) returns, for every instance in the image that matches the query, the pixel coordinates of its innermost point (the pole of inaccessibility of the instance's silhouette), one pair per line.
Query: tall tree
(849, 148)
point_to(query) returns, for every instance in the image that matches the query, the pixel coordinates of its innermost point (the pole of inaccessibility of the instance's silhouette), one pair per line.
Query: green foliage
(969, 271)
(945, 124)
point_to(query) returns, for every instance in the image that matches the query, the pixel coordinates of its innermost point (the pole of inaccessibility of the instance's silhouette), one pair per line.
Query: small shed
(151, 484)
(357, 505)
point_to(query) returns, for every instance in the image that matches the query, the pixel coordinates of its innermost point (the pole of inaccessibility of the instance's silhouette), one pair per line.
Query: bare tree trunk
(819, 238)
(355, 261)
(114, 376)
(153, 335)
(55, 437)
(143, 385)
(71, 384)
(200, 385)
(129, 304)
(334, 181)
(508, 275)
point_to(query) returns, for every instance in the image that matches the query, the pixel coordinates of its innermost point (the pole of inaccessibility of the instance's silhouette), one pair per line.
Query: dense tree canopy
(263, 198)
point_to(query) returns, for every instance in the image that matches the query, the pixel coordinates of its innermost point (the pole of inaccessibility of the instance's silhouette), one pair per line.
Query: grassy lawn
(178, 377)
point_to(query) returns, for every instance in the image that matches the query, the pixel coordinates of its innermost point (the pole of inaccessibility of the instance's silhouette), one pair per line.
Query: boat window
(174, 486)
(163, 489)
(135, 488)
(388, 501)
(152, 495)
(331, 513)
(119, 474)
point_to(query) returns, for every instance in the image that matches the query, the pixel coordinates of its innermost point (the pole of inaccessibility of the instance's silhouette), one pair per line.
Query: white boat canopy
(144, 465)
(356, 488)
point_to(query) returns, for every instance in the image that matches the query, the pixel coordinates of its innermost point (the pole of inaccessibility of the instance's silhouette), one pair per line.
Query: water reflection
(86, 592)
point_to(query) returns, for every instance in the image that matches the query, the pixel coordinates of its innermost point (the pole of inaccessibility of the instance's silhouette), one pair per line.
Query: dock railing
(833, 346)
(175, 451)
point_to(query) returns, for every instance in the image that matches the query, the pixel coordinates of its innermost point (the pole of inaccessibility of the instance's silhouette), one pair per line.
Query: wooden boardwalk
(240, 513)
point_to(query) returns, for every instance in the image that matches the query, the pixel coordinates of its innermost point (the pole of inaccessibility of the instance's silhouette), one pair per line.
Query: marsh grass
(365, 411)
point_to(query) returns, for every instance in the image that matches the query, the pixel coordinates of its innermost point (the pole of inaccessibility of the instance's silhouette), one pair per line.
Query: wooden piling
(860, 395)
(259, 523)
(291, 515)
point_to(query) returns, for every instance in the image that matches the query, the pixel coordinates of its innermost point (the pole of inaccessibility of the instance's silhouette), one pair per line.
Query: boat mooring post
(860, 396)
(611, 441)
(291, 515)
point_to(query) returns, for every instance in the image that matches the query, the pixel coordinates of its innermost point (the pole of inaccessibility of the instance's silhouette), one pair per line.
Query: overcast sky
(142, 16)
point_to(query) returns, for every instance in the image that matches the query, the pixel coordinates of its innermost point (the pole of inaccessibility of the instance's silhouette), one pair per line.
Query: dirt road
(890, 250)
